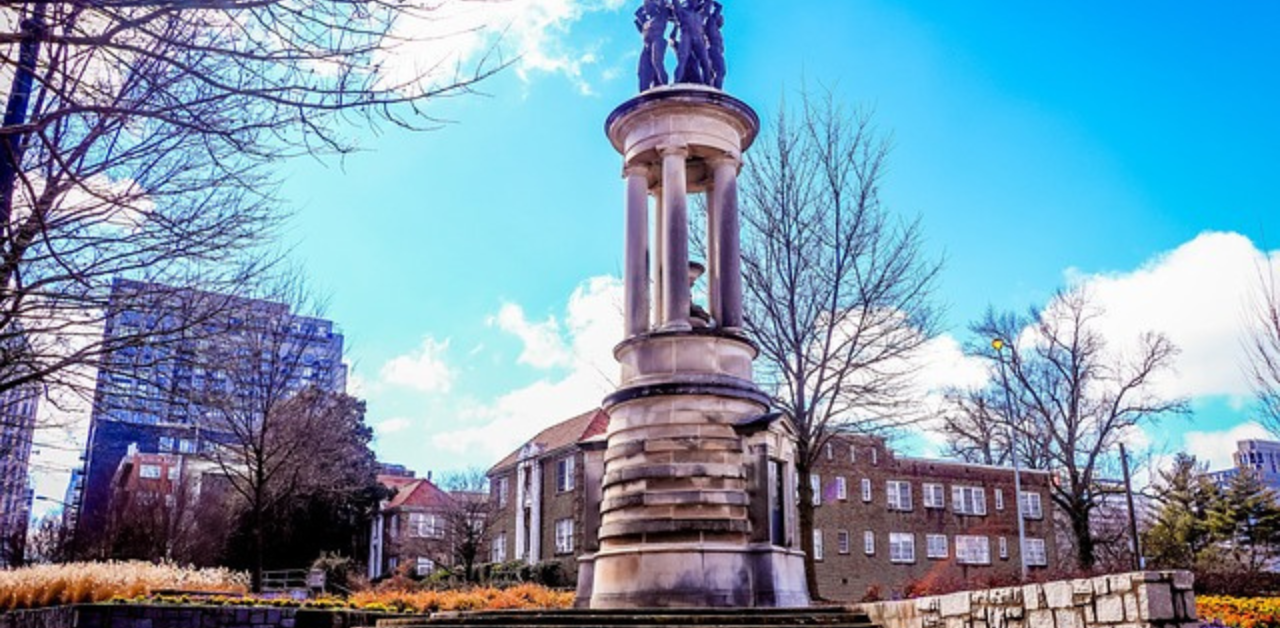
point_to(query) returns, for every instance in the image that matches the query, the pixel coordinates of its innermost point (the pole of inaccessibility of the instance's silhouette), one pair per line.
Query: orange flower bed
(1239, 612)
(530, 596)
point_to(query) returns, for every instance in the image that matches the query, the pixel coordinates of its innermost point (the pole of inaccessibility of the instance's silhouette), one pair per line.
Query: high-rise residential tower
(153, 393)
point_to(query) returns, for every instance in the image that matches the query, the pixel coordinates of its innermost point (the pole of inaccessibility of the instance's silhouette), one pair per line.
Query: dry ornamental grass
(80, 583)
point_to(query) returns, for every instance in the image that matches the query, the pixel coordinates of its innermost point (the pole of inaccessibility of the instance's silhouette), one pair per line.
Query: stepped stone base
(825, 617)
(695, 576)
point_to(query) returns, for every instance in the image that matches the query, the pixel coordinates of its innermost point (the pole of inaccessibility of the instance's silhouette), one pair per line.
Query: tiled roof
(575, 430)
(413, 492)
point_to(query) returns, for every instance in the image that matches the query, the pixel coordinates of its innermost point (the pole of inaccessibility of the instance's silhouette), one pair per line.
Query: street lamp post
(998, 345)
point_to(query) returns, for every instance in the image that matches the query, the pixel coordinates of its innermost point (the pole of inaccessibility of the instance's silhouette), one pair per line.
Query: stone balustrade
(1157, 599)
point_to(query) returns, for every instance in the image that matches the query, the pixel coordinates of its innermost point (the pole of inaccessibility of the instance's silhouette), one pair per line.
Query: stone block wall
(1155, 599)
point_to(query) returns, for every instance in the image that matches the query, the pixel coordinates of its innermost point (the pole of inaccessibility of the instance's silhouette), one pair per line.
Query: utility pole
(12, 141)
(1133, 518)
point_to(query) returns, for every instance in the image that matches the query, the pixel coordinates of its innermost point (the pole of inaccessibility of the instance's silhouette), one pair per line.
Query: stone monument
(691, 496)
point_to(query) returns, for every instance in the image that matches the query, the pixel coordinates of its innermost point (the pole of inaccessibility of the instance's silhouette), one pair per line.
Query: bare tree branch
(1074, 400)
(838, 292)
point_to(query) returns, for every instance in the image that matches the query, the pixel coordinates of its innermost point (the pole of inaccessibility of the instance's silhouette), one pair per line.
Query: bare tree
(49, 540)
(1264, 349)
(139, 138)
(838, 292)
(1074, 399)
(280, 434)
(468, 518)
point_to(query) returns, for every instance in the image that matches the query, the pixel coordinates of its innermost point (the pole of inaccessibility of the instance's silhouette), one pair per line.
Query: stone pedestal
(695, 507)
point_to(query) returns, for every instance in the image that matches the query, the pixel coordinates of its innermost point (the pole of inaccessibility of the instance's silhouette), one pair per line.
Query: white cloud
(424, 370)
(1198, 294)
(1216, 447)
(357, 385)
(543, 347)
(62, 420)
(440, 40)
(392, 426)
(592, 326)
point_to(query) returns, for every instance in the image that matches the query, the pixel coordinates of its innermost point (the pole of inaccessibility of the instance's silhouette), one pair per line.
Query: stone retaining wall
(1156, 599)
(168, 616)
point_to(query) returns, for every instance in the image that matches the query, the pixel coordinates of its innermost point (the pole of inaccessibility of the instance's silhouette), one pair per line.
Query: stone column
(535, 513)
(725, 191)
(675, 239)
(659, 258)
(636, 272)
(521, 523)
(713, 255)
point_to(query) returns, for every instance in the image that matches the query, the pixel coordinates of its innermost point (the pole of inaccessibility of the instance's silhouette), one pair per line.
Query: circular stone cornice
(684, 95)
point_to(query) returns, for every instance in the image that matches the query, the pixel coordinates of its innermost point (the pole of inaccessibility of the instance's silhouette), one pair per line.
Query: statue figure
(715, 41)
(651, 20)
(693, 63)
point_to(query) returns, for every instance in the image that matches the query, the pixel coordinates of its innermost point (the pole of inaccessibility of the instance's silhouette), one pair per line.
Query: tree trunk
(1084, 539)
(256, 582)
(806, 529)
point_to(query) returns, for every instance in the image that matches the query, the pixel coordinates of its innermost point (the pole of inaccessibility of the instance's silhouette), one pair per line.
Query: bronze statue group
(696, 38)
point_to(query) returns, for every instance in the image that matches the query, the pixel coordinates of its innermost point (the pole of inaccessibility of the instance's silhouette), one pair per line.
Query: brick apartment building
(883, 520)
(411, 528)
(888, 521)
(538, 495)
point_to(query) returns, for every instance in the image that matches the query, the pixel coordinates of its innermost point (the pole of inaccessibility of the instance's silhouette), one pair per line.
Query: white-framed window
(498, 553)
(425, 566)
(866, 489)
(564, 536)
(875, 456)
(969, 500)
(166, 443)
(842, 488)
(853, 453)
(935, 545)
(424, 525)
(897, 495)
(1035, 553)
(502, 490)
(1003, 544)
(869, 543)
(186, 446)
(815, 483)
(174, 473)
(999, 499)
(1031, 506)
(394, 527)
(842, 541)
(902, 547)
(830, 451)
(817, 544)
(934, 496)
(564, 474)
(973, 550)
(149, 471)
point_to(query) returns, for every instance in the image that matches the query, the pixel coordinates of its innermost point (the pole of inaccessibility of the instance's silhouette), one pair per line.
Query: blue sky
(1132, 146)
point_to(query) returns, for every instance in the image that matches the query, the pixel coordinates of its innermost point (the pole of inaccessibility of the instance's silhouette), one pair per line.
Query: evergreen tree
(1247, 520)
(1179, 532)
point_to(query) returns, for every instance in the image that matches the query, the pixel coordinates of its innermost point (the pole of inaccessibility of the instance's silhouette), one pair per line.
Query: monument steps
(825, 617)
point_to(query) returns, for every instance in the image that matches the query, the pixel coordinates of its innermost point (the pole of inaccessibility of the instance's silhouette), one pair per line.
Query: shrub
(79, 583)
